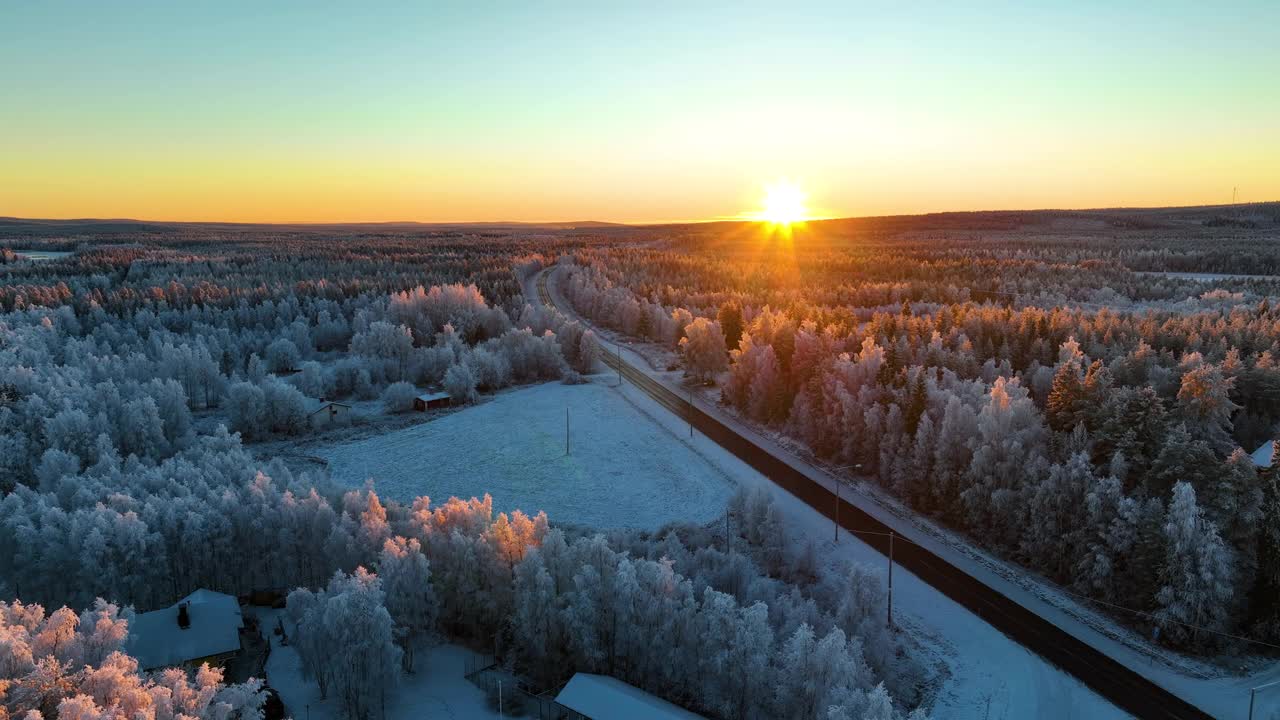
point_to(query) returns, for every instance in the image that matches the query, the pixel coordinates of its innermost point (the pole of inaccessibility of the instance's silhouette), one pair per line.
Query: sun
(783, 204)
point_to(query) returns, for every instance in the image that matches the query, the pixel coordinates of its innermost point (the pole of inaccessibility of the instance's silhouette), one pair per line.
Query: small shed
(329, 413)
(201, 627)
(600, 697)
(431, 401)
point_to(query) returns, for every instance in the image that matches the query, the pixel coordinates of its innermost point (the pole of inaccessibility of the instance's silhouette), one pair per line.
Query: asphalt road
(1123, 687)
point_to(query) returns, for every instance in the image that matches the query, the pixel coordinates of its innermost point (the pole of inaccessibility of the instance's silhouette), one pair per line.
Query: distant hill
(1252, 215)
(11, 226)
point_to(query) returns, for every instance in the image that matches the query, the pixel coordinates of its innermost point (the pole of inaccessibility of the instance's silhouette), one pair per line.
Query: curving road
(1123, 687)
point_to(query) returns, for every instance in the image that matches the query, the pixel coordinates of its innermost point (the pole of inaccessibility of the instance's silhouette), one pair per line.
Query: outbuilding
(329, 413)
(600, 697)
(203, 627)
(431, 401)
(1263, 456)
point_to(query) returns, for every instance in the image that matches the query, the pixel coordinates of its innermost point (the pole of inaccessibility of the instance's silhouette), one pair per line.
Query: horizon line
(633, 223)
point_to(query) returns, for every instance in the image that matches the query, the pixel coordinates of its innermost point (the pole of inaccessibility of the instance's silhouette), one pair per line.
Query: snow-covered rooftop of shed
(1262, 456)
(156, 640)
(601, 697)
(315, 406)
(428, 397)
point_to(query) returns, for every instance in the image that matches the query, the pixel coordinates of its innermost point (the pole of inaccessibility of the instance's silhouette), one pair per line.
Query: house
(329, 413)
(203, 627)
(431, 401)
(600, 697)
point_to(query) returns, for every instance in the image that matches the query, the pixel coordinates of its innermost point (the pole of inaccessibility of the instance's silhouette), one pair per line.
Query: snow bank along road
(1122, 686)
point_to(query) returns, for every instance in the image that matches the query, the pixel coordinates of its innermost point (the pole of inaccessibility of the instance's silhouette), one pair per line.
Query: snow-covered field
(622, 470)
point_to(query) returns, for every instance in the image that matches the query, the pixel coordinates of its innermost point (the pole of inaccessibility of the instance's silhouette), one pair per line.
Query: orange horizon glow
(437, 113)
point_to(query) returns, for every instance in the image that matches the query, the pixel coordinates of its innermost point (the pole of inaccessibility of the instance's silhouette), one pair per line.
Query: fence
(510, 697)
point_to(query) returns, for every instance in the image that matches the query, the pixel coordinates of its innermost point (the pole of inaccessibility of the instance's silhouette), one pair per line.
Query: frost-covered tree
(406, 579)
(1205, 402)
(588, 352)
(73, 668)
(350, 641)
(1196, 576)
(460, 383)
(703, 348)
(282, 355)
(398, 397)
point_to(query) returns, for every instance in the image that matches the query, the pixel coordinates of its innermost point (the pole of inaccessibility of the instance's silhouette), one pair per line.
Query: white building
(329, 413)
(600, 697)
(201, 627)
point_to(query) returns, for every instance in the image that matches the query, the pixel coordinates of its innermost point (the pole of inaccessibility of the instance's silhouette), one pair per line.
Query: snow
(1262, 456)
(985, 667)
(436, 688)
(622, 470)
(156, 640)
(605, 698)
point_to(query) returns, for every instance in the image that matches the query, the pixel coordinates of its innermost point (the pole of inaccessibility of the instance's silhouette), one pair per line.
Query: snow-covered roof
(1262, 456)
(601, 697)
(156, 640)
(317, 407)
(429, 397)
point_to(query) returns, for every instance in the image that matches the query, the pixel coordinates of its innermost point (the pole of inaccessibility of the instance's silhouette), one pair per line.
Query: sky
(630, 112)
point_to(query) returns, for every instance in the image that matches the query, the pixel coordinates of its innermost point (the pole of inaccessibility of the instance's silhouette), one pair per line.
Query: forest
(137, 378)
(1082, 396)
(1064, 397)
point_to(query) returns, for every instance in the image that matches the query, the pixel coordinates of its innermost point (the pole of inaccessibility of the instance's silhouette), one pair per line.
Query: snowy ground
(436, 689)
(622, 470)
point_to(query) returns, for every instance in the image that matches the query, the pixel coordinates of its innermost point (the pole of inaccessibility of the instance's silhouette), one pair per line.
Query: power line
(902, 538)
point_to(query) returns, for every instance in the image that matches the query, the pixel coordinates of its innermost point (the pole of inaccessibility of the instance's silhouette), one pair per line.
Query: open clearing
(622, 470)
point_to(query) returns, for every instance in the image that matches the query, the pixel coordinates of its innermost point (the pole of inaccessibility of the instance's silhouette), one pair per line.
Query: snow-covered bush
(398, 397)
(460, 383)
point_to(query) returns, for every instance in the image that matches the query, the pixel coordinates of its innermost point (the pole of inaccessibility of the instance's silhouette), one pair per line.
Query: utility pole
(690, 412)
(890, 605)
(619, 347)
(833, 472)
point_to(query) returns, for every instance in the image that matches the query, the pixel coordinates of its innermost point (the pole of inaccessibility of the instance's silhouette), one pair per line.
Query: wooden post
(566, 430)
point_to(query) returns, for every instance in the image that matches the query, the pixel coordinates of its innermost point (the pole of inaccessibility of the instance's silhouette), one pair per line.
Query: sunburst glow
(784, 204)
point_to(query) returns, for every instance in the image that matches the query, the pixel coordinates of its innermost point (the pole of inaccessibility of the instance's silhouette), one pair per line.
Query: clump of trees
(69, 666)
